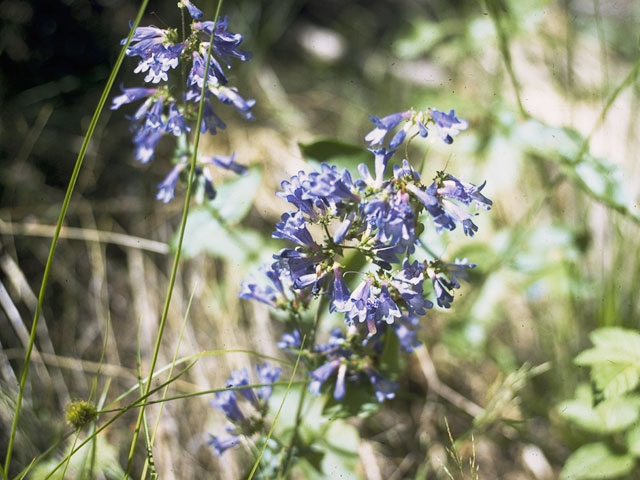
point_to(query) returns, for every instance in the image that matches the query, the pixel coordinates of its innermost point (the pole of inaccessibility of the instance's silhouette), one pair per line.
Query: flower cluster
(249, 419)
(170, 105)
(380, 216)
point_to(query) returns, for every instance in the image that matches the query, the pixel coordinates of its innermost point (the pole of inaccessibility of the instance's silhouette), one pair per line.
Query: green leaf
(596, 461)
(358, 401)
(344, 155)
(205, 233)
(615, 360)
(633, 441)
(235, 197)
(609, 416)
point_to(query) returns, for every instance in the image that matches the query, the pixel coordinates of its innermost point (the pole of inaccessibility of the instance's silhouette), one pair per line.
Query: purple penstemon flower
(444, 277)
(294, 192)
(293, 228)
(222, 443)
(146, 140)
(408, 283)
(381, 159)
(167, 188)
(384, 125)
(405, 328)
(194, 11)
(383, 388)
(227, 162)
(290, 341)
(266, 374)
(240, 378)
(158, 54)
(447, 124)
(270, 294)
(176, 124)
(466, 193)
(329, 185)
(321, 374)
(225, 43)
(230, 96)
(357, 305)
(226, 401)
(130, 95)
(340, 293)
(303, 268)
(385, 308)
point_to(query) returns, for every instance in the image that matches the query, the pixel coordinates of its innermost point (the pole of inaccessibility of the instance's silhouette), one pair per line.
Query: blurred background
(550, 90)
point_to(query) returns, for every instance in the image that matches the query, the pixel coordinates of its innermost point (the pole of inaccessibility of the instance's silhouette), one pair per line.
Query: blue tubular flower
(229, 163)
(146, 140)
(343, 228)
(154, 116)
(382, 157)
(408, 282)
(293, 228)
(167, 187)
(176, 123)
(356, 306)
(341, 389)
(223, 442)
(321, 374)
(422, 130)
(294, 193)
(265, 293)
(158, 54)
(194, 11)
(384, 125)
(290, 341)
(336, 339)
(227, 402)
(384, 388)
(405, 171)
(466, 193)
(303, 269)
(448, 124)
(330, 185)
(131, 95)
(340, 293)
(240, 378)
(444, 277)
(406, 332)
(195, 79)
(230, 95)
(225, 43)
(385, 308)
(266, 374)
(210, 121)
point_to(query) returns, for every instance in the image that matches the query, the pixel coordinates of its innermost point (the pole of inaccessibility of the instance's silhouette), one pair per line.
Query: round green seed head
(80, 413)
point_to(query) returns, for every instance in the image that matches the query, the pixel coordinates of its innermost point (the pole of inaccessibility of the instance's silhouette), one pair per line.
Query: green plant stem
(628, 80)
(54, 241)
(176, 258)
(503, 41)
(135, 404)
(275, 420)
(298, 420)
(147, 462)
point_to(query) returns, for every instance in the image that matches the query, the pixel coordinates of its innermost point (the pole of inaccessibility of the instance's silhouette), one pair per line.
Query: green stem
(147, 463)
(54, 241)
(503, 41)
(298, 421)
(176, 258)
(275, 419)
